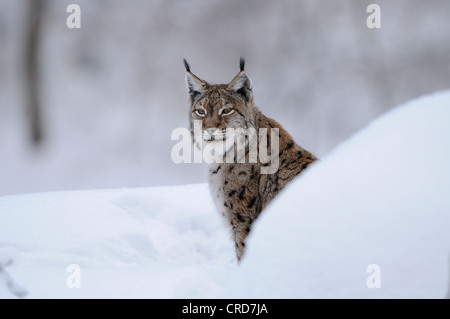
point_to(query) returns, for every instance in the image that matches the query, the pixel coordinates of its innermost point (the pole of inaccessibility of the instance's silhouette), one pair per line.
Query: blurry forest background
(106, 97)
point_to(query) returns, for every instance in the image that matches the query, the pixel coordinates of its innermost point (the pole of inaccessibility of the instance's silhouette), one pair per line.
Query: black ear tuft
(242, 63)
(186, 65)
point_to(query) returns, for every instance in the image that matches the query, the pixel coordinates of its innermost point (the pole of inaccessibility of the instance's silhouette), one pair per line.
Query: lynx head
(225, 111)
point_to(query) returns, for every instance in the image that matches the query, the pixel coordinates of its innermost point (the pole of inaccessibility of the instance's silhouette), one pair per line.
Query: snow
(380, 198)
(129, 243)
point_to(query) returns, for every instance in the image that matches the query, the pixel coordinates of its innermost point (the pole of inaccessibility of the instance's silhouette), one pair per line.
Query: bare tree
(36, 8)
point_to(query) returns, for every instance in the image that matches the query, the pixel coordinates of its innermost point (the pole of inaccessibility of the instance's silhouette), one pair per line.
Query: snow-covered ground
(380, 200)
(149, 243)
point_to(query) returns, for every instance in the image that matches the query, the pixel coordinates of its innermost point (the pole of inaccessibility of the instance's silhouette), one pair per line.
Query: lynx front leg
(240, 237)
(241, 230)
(247, 208)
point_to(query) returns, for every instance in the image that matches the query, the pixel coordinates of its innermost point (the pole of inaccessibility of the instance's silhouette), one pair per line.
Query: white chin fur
(216, 151)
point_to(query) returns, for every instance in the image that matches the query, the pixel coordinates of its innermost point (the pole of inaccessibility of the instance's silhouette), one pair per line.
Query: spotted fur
(241, 190)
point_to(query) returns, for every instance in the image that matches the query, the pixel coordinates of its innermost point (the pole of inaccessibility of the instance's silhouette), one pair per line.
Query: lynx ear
(194, 85)
(242, 85)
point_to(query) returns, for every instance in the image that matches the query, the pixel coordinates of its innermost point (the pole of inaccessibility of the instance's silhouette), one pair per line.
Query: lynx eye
(200, 112)
(227, 111)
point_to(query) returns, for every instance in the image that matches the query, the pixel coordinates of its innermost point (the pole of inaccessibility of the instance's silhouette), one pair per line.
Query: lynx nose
(211, 130)
(209, 134)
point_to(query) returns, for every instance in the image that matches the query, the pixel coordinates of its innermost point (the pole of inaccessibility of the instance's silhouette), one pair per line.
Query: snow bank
(381, 198)
(378, 203)
(159, 242)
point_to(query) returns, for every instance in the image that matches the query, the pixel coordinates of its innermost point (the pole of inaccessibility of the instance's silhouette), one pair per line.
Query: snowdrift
(163, 242)
(371, 220)
(375, 212)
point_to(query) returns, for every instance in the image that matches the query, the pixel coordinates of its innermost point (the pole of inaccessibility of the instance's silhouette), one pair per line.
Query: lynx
(239, 186)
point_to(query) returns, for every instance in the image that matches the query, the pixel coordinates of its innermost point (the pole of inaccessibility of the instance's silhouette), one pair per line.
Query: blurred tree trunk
(36, 8)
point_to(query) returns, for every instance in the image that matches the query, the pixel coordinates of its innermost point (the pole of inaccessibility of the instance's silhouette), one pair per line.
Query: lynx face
(225, 111)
